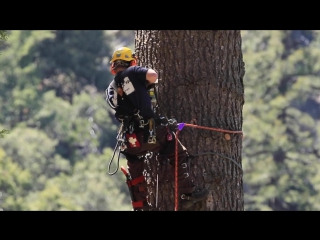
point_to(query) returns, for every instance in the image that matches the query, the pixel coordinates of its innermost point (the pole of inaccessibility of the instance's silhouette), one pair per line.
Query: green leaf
(3, 132)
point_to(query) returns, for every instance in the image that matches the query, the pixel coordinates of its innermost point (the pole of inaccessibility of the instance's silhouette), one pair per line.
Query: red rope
(213, 129)
(180, 127)
(176, 172)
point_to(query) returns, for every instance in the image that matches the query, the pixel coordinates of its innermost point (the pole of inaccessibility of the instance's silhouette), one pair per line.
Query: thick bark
(200, 82)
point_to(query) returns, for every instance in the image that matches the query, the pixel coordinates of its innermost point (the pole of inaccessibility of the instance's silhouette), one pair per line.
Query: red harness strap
(133, 182)
(130, 183)
(136, 181)
(138, 204)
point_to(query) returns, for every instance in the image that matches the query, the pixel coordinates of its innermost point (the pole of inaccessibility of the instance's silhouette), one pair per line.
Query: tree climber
(142, 132)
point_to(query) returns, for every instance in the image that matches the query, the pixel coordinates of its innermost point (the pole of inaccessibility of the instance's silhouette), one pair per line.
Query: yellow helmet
(122, 53)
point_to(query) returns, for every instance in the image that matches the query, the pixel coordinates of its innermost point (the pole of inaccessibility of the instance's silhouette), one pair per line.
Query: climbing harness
(121, 137)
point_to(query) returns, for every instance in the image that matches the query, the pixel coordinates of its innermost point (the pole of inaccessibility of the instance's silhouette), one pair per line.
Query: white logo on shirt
(127, 86)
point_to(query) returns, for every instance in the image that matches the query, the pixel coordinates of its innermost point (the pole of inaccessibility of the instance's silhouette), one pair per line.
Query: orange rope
(213, 129)
(180, 127)
(176, 172)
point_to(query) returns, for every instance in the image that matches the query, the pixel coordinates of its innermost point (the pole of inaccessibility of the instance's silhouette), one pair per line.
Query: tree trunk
(200, 82)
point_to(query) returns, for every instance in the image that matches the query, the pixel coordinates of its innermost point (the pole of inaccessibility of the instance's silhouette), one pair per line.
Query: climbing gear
(132, 139)
(135, 185)
(177, 127)
(140, 119)
(126, 135)
(128, 178)
(121, 146)
(152, 132)
(124, 54)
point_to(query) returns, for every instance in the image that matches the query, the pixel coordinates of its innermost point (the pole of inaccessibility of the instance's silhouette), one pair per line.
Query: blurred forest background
(62, 131)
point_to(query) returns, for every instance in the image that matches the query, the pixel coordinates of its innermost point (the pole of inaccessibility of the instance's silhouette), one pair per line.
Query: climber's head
(122, 58)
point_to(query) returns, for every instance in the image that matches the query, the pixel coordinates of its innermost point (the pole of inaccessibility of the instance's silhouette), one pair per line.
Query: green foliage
(52, 98)
(281, 115)
(3, 35)
(73, 59)
(34, 150)
(15, 183)
(88, 188)
(50, 199)
(81, 128)
(20, 87)
(3, 132)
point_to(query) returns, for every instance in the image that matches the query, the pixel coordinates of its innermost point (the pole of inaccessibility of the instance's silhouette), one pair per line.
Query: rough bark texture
(201, 82)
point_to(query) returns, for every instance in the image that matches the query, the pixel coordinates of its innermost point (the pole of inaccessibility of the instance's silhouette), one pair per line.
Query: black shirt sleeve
(141, 72)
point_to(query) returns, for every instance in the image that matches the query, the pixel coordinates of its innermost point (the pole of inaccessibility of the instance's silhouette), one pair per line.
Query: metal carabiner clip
(152, 138)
